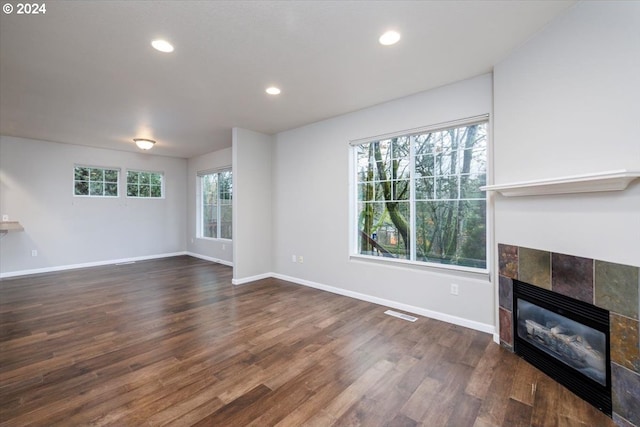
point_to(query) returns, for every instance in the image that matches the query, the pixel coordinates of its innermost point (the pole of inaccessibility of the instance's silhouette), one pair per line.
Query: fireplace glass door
(574, 344)
(565, 338)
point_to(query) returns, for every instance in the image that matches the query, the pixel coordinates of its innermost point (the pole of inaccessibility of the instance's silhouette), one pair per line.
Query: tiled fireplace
(613, 287)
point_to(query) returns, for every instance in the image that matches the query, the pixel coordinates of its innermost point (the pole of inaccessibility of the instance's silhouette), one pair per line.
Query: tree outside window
(144, 184)
(419, 198)
(95, 181)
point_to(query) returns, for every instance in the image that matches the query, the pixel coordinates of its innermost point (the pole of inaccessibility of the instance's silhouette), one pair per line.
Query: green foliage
(96, 182)
(101, 182)
(449, 167)
(144, 184)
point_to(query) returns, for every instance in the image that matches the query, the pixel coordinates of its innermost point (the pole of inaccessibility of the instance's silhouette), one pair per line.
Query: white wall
(36, 188)
(568, 102)
(252, 205)
(216, 250)
(311, 208)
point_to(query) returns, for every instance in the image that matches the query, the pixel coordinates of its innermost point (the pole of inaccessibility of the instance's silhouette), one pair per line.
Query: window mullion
(218, 208)
(412, 198)
(201, 206)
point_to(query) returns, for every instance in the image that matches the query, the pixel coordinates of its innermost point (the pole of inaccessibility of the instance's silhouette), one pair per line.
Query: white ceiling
(85, 73)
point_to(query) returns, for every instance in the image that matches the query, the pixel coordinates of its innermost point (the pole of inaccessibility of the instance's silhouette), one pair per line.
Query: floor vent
(401, 315)
(125, 263)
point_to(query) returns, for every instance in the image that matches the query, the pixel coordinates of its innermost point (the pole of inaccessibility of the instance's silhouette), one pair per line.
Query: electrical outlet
(5, 217)
(34, 252)
(300, 259)
(293, 258)
(224, 247)
(192, 240)
(454, 289)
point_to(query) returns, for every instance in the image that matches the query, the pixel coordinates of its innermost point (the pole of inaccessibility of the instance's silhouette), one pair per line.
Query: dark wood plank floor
(172, 342)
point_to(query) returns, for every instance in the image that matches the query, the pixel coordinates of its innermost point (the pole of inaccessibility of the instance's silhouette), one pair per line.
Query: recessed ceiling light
(162, 45)
(389, 38)
(144, 143)
(273, 90)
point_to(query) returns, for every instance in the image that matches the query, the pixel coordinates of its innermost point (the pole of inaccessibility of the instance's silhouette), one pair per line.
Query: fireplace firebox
(565, 338)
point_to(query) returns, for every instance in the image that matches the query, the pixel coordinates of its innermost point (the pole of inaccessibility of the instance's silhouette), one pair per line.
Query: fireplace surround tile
(572, 276)
(534, 267)
(506, 328)
(625, 388)
(621, 422)
(616, 288)
(625, 344)
(508, 260)
(506, 292)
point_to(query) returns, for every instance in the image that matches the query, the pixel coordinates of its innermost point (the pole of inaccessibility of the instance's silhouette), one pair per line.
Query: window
(215, 204)
(95, 182)
(144, 184)
(418, 196)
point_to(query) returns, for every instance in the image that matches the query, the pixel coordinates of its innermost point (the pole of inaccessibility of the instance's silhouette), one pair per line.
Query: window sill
(145, 198)
(214, 239)
(475, 273)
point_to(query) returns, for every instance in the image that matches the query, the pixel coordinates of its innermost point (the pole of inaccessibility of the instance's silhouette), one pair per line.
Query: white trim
(252, 278)
(354, 201)
(616, 180)
(208, 258)
(476, 273)
(87, 264)
(471, 324)
(126, 184)
(89, 196)
(84, 165)
(216, 239)
(204, 172)
(496, 338)
(482, 327)
(424, 129)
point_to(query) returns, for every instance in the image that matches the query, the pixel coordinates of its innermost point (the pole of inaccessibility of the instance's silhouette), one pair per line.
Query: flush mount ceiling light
(143, 143)
(162, 45)
(389, 38)
(273, 90)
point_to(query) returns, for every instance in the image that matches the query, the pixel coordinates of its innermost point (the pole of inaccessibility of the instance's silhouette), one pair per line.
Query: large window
(418, 196)
(144, 184)
(216, 204)
(95, 181)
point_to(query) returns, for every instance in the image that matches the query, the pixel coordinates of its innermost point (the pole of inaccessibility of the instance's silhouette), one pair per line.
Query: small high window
(95, 181)
(144, 184)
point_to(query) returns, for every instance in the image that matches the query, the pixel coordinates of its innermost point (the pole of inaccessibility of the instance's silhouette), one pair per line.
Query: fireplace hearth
(565, 338)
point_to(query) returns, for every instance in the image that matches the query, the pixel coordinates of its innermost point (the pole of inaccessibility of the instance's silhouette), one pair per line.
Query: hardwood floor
(172, 342)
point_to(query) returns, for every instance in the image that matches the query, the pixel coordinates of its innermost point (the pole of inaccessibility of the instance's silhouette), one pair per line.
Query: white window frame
(199, 204)
(126, 184)
(411, 262)
(104, 168)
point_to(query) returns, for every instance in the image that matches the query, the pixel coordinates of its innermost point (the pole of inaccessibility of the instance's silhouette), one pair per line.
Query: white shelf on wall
(588, 183)
(7, 226)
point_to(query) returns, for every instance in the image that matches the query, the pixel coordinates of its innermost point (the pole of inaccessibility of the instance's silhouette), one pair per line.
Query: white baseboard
(208, 258)
(252, 278)
(87, 264)
(482, 327)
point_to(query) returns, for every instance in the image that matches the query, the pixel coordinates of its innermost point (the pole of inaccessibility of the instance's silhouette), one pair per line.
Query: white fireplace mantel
(616, 180)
